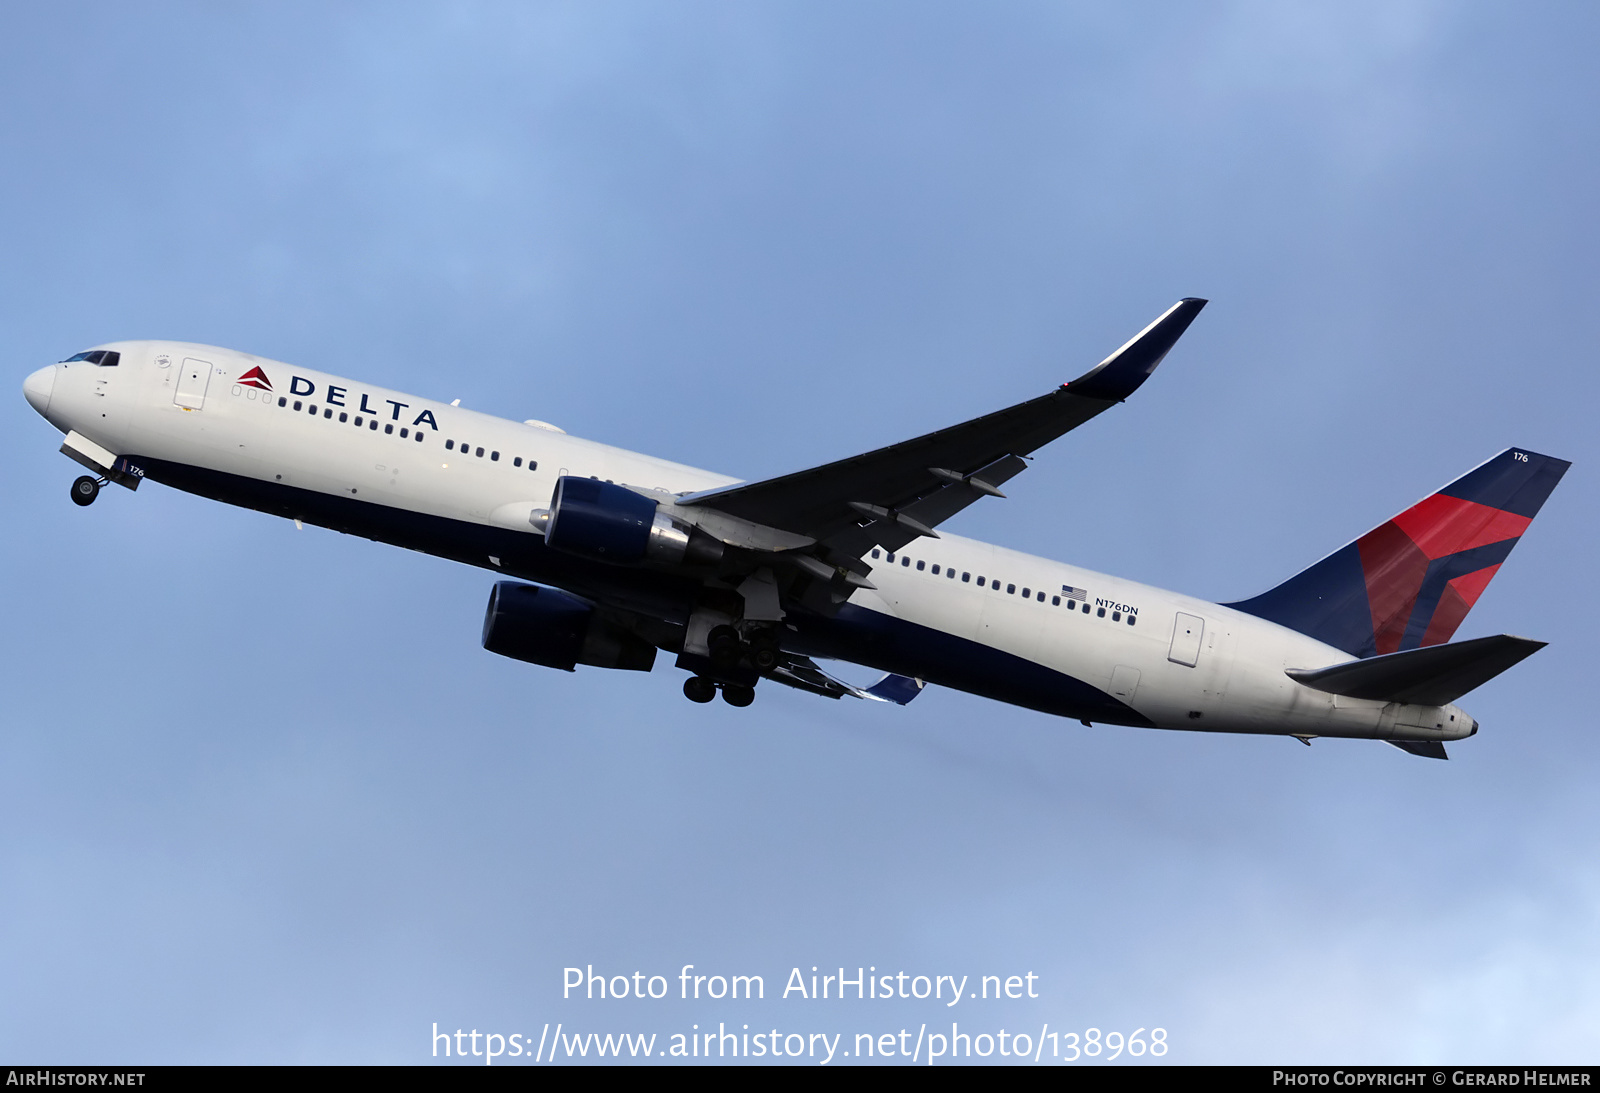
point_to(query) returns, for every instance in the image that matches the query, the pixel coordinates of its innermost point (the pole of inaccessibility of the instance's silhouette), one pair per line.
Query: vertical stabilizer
(1411, 581)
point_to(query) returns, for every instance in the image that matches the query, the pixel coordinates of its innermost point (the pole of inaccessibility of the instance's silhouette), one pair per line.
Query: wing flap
(893, 529)
(803, 674)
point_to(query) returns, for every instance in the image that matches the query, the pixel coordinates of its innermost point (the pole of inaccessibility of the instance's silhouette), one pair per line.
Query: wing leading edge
(906, 489)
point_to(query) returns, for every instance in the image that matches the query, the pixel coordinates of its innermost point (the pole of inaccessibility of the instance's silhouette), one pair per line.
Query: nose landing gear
(85, 489)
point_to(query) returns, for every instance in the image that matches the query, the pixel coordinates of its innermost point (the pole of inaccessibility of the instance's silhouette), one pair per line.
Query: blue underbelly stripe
(855, 634)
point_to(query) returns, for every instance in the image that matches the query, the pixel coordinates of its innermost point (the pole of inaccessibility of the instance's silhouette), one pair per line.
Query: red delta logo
(255, 378)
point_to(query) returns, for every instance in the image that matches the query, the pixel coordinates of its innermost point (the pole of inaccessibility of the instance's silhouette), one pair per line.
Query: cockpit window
(105, 358)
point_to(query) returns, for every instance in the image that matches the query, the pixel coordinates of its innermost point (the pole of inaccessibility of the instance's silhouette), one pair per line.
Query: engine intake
(546, 626)
(611, 523)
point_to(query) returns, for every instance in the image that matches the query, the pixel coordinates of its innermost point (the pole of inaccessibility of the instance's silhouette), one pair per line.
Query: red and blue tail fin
(1410, 582)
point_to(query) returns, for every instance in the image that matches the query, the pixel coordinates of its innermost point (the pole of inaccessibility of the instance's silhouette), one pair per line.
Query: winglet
(1120, 374)
(896, 689)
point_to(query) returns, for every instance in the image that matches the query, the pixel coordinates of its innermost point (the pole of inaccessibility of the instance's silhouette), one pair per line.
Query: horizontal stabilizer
(1428, 749)
(1431, 676)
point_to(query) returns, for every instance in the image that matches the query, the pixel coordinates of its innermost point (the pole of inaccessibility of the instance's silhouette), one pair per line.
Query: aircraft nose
(38, 387)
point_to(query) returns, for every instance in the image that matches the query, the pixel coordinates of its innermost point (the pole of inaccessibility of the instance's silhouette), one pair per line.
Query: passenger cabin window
(449, 445)
(517, 462)
(921, 564)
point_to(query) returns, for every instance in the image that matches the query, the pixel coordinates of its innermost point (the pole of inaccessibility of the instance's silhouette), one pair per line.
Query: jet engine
(547, 626)
(610, 523)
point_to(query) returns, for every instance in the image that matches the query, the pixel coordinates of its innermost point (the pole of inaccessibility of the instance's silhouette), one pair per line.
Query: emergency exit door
(1186, 634)
(192, 380)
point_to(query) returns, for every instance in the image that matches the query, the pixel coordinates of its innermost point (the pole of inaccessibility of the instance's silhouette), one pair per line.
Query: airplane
(609, 556)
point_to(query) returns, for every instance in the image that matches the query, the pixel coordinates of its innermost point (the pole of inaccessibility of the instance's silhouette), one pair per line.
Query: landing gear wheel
(726, 648)
(699, 689)
(85, 490)
(764, 652)
(735, 695)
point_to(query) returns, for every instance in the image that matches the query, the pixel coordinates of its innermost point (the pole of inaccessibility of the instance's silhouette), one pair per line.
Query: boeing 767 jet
(608, 556)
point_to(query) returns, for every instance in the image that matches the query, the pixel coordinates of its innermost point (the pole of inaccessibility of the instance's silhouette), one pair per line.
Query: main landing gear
(736, 661)
(704, 689)
(85, 489)
(727, 649)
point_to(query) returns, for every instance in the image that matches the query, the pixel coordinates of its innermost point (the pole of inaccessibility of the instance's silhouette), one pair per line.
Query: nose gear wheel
(85, 489)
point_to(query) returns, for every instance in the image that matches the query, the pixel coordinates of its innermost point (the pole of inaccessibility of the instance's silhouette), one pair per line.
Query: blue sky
(265, 798)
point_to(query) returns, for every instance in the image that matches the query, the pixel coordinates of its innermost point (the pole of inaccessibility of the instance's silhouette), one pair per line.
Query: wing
(890, 496)
(803, 674)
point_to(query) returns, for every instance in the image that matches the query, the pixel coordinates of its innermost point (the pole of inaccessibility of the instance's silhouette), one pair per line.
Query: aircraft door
(1187, 631)
(192, 381)
(1124, 681)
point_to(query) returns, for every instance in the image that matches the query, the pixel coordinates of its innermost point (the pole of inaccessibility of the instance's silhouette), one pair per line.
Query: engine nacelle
(611, 523)
(546, 626)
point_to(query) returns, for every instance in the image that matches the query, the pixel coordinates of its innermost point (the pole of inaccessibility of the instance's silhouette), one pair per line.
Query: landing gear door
(1187, 631)
(192, 380)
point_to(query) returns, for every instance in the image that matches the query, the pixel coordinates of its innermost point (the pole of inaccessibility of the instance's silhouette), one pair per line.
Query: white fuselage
(1179, 662)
